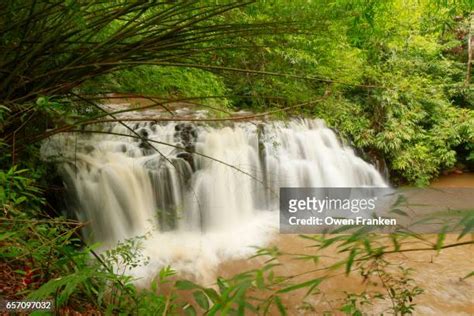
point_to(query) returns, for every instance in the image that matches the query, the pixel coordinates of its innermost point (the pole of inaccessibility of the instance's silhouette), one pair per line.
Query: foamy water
(195, 211)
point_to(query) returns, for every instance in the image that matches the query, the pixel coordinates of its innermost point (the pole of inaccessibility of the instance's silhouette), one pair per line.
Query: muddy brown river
(439, 275)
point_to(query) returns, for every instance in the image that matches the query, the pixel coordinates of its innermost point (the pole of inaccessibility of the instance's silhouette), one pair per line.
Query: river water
(439, 275)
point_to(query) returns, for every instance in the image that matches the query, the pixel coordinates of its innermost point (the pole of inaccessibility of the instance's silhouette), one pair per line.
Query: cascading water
(200, 194)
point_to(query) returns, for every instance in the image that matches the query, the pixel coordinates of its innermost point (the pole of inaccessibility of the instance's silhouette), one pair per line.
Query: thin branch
(208, 67)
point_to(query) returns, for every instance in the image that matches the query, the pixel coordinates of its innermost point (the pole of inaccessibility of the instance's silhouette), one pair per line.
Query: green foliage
(416, 119)
(18, 192)
(37, 248)
(392, 68)
(164, 82)
(50, 49)
(399, 288)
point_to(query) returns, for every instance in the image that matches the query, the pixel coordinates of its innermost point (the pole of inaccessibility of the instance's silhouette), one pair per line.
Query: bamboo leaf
(470, 274)
(280, 306)
(201, 299)
(189, 310)
(186, 285)
(350, 260)
(313, 282)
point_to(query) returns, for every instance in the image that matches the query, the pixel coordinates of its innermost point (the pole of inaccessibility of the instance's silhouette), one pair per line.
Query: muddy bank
(463, 180)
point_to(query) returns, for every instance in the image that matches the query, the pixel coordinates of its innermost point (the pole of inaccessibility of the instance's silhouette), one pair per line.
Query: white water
(194, 211)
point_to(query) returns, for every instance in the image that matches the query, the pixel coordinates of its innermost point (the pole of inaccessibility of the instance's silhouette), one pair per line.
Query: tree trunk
(470, 45)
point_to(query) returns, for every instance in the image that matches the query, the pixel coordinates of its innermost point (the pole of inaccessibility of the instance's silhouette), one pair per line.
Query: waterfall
(200, 193)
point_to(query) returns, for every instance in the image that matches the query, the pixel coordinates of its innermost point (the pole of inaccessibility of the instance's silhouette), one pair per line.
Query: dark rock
(143, 133)
(188, 157)
(89, 149)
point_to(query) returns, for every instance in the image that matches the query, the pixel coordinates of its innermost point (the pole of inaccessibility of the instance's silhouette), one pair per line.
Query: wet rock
(144, 144)
(89, 149)
(152, 164)
(188, 157)
(143, 132)
(186, 135)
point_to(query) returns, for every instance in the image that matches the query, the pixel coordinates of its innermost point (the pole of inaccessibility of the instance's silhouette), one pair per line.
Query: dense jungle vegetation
(392, 77)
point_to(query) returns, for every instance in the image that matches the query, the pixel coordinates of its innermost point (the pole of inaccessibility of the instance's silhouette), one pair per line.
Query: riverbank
(454, 180)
